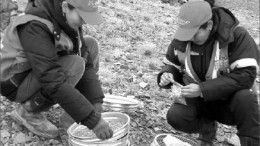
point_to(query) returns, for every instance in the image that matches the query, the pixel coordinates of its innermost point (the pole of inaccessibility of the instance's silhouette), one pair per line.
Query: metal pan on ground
(119, 103)
(80, 135)
(169, 139)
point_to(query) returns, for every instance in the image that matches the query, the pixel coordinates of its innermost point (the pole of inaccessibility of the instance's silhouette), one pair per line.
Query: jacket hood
(52, 11)
(224, 24)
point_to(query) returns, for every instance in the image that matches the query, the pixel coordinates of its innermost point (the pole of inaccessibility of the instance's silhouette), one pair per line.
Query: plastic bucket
(120, 136)
(159, 140)
(119, 104)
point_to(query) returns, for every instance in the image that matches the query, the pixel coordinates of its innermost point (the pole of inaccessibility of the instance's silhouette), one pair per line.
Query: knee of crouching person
(174, 118)
(90, 41)
(76, 65)
(244, 98)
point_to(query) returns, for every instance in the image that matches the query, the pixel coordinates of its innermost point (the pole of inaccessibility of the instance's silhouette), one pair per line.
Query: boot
(37, 123)
(248, 141)
(207, 133)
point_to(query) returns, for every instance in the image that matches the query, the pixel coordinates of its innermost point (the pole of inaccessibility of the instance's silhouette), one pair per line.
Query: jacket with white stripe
(242, 53)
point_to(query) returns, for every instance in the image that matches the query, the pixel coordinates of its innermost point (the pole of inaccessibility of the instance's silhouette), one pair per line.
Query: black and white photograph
(129, 73)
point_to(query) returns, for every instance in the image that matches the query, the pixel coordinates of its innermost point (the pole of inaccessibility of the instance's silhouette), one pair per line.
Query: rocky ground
(133, 40)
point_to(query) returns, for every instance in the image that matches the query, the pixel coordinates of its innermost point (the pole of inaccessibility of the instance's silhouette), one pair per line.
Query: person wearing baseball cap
(88, 10)
(216, 61)
(46, 60)
(191, 16)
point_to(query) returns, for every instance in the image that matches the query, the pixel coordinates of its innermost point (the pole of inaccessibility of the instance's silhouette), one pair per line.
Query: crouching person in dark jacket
(216, 60)
(45, 60)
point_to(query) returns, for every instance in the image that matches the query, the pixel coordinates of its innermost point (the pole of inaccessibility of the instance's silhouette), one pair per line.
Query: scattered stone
(54, 142)
(21, 138)
(56, 106)
(140, 74)
(4, 133)
(156, 129)
(124, 67)
(143, 85)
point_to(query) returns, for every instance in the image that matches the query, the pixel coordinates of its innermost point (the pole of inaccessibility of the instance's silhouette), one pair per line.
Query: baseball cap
(191, 16)
(88, 10)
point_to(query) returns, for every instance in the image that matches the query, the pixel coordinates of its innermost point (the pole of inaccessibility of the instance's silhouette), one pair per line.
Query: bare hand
(166, 79)
(191, 91)
(102, 130)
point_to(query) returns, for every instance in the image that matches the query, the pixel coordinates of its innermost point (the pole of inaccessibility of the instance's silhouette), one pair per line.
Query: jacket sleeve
(243, 58)
(90, 86)
(172, 64)
(38, 44)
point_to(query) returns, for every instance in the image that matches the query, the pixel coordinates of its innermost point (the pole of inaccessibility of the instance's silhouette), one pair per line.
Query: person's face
(202, 35)
(73, 18)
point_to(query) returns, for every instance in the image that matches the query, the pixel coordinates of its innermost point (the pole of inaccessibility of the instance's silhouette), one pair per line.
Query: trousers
(241, 109)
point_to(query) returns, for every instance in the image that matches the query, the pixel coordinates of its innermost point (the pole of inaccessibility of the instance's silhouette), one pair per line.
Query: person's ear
(210, 25)
(65, 7)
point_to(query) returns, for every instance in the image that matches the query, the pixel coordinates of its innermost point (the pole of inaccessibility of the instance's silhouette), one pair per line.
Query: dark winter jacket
(240, 46)
(38, 44)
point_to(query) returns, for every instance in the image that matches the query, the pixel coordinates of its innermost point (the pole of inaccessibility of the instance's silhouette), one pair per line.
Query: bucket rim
(72, 128)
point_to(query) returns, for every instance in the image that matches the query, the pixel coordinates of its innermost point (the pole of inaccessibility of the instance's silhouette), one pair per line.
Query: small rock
(56, 106)
(2, 107)
(4, 133)
(110, 91)
(20, 138)
(149, 101)
(117, 63)
(54, 142)
(130, 96)
(143, 84)
(64, 137)
(3, 123)
(140, 104)
(147, 53)
(149, 124)
(133, 124)
(156, 129)
(124, 67)
(130, 79)
(152, 108)
(7, 114)
(143, 122)
(152, 66)
(140, 74)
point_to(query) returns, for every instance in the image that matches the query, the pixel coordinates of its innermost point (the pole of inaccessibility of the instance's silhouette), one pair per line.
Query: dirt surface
(133, 40)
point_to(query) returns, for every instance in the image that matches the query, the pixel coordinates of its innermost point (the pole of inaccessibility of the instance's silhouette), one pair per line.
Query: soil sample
(85, 132)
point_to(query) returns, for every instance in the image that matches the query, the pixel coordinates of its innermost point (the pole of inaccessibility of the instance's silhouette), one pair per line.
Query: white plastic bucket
(160, 140)
(120, 104)
(120, 136)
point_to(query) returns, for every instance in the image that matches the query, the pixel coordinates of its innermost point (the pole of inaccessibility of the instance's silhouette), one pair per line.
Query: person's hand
(166, 79)
(191, 91)
(102, 130)
(98, 106)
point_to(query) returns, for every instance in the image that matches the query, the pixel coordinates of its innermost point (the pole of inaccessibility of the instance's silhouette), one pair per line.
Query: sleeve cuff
(92, 120)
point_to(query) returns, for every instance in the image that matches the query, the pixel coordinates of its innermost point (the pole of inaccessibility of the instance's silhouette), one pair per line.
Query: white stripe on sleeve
(245, 62)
